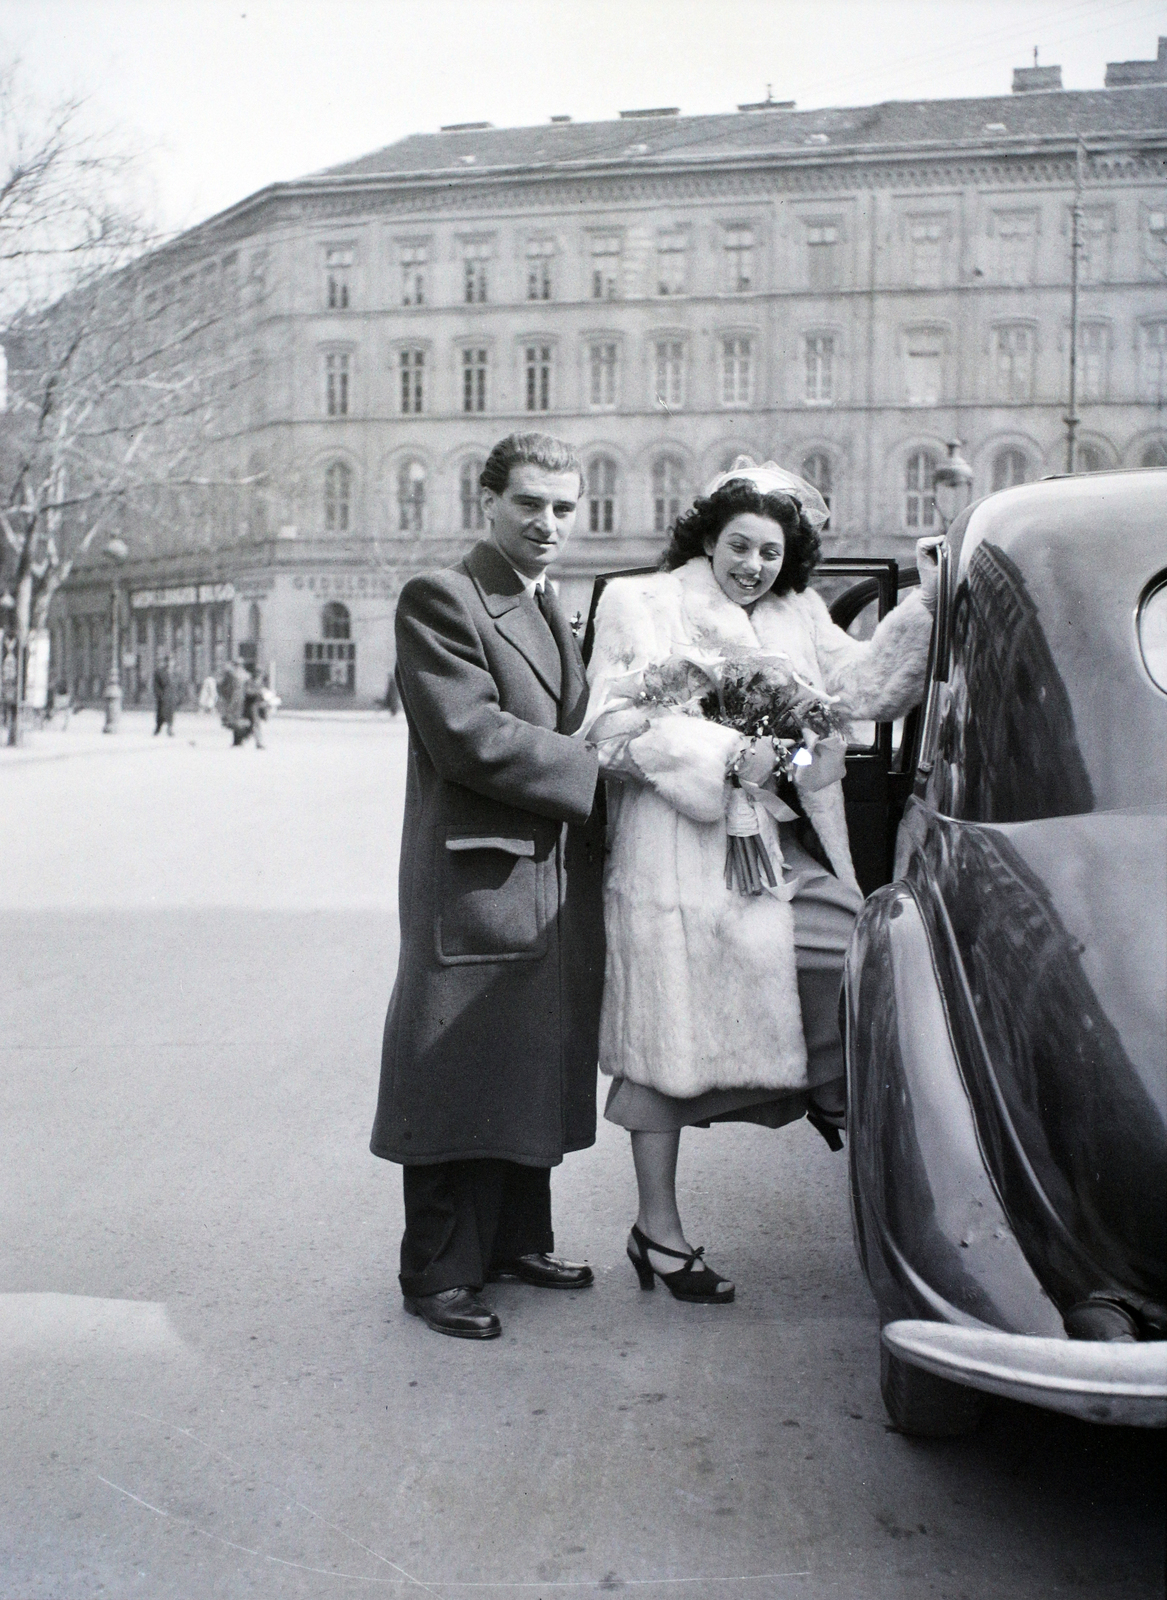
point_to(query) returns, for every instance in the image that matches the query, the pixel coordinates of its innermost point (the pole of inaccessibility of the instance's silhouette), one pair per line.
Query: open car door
(882, 757)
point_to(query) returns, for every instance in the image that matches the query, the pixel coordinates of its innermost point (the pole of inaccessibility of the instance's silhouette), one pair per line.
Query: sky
(222, 98)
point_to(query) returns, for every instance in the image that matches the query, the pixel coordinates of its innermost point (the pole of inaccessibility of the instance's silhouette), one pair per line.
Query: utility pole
(1071, 418)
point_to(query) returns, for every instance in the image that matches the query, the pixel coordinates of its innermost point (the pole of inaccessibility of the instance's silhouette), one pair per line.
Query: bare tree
(125, 362)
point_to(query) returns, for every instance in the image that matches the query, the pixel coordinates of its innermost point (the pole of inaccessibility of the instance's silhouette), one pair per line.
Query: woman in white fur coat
(719, 1005)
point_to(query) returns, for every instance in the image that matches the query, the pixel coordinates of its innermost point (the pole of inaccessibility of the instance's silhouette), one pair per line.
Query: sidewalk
(83, 736)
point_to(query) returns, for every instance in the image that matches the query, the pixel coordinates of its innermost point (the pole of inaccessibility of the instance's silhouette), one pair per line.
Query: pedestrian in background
(165, 697)
(208, 694)
(255, 706)
(232, 687)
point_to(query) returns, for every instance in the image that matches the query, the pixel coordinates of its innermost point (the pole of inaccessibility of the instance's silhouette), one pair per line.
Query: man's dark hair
(535, 449)
(709, 515)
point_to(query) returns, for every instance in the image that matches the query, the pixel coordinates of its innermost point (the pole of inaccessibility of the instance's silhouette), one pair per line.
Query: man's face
(531, 520)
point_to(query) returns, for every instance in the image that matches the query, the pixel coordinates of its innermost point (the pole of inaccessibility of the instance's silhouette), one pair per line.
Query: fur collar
(778, 623)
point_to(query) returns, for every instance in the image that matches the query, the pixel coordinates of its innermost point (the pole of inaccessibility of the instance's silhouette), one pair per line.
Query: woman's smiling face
(747, 556)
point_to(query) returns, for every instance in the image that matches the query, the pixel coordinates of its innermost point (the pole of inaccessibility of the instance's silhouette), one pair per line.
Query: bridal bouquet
(761, 696)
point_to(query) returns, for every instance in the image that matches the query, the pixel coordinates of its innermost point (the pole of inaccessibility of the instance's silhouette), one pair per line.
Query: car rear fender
(930, 1230)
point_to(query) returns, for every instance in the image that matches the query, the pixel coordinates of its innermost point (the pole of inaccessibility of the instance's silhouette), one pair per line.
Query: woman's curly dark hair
(710, 513)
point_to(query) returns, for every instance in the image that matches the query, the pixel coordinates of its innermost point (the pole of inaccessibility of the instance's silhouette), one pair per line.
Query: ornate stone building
(842, 289)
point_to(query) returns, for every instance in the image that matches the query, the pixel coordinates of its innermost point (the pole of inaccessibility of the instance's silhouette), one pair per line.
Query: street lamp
(116, 551)
(952, 485)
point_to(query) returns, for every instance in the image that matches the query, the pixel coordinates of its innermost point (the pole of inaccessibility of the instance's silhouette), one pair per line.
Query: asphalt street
(208, 1386)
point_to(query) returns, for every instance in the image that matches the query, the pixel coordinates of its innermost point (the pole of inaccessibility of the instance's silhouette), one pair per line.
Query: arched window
(1154, 454)
(470, 491)
(816, 469)
(335, 622)
(601, 478)
(1088, 458)
(668, 478)
(919, 506)
(338, 492)
(411, 497)
(1009, 467)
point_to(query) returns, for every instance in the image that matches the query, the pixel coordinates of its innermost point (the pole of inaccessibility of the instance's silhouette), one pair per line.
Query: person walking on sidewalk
(488, 1069)
(165, 697)
(255, 706)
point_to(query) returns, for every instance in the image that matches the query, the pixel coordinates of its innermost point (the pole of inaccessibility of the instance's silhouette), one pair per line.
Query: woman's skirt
(824, 915)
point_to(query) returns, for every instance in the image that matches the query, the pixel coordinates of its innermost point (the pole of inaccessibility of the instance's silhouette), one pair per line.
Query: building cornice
(1001, 161)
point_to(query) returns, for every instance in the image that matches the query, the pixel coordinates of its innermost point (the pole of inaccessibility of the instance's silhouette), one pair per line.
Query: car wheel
(926, 1406)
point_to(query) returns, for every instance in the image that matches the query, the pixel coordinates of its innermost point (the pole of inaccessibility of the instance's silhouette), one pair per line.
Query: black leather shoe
(544, 1271)
(458, 1312)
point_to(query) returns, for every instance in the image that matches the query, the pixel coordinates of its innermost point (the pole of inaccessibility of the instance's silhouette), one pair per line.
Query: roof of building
(777, 131)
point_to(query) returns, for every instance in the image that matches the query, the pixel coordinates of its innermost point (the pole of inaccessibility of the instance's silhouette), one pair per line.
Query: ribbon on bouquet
(748, 866)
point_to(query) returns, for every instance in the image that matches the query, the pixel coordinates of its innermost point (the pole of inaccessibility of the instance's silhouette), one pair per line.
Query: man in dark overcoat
(488, 1068)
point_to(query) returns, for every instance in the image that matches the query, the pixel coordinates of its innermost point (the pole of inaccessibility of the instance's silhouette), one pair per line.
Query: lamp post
(116, 551)
(1071, 419)
(952, 485)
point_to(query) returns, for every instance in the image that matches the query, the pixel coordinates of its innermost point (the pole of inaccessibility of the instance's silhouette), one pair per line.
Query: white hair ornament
(770, 478)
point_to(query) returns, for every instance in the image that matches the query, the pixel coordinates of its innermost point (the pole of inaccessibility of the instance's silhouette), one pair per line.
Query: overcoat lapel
(517, 618)
(573, 696)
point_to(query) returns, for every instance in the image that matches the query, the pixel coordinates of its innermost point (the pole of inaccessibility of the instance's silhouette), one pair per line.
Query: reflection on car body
(1006, 993)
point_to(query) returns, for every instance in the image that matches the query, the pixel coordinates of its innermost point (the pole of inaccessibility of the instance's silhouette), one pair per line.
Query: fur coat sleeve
(878, 678)
(682, 758)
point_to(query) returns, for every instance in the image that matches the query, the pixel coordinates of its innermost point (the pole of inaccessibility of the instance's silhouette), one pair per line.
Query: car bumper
(1122, 1384)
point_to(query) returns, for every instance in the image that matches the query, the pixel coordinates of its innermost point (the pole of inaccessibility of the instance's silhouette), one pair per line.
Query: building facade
(842, 290)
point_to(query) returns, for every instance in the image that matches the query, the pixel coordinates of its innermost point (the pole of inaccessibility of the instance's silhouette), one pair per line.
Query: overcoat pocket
(490, 900)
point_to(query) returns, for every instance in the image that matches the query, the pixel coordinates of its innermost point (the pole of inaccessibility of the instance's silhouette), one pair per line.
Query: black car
(1005, 995)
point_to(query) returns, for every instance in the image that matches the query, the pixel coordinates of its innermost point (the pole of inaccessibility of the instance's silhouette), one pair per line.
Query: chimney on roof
(561, 118)
(1122, 74)
(464, 127)
(1032, 80)
(654, 111)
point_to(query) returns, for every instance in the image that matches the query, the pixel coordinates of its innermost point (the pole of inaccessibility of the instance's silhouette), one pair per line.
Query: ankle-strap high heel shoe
(690, 1282)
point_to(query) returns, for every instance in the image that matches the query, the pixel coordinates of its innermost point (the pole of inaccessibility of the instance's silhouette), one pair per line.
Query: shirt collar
(531, 586)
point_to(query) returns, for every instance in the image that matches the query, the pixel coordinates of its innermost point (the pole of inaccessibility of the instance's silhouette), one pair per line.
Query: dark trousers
(464, 1217)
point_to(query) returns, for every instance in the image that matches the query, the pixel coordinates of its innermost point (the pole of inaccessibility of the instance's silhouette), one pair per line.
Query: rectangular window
(475, 272)
(474, 380)
(1093, 346)
(1094, 246)
(670, 263)
(1153, 361)
(605, 267)
(822, 255)
(602, 370)
(336, 376)
(924, 359)
(820, 368)
(330, 666)
(538, 363)
(1013, 363)
(737, 371)
(927, 240)
(1016, 232)
(739, 260)
(539, 256)
(670, 373)
(414, 258)
(412, 366)
(338, 261)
